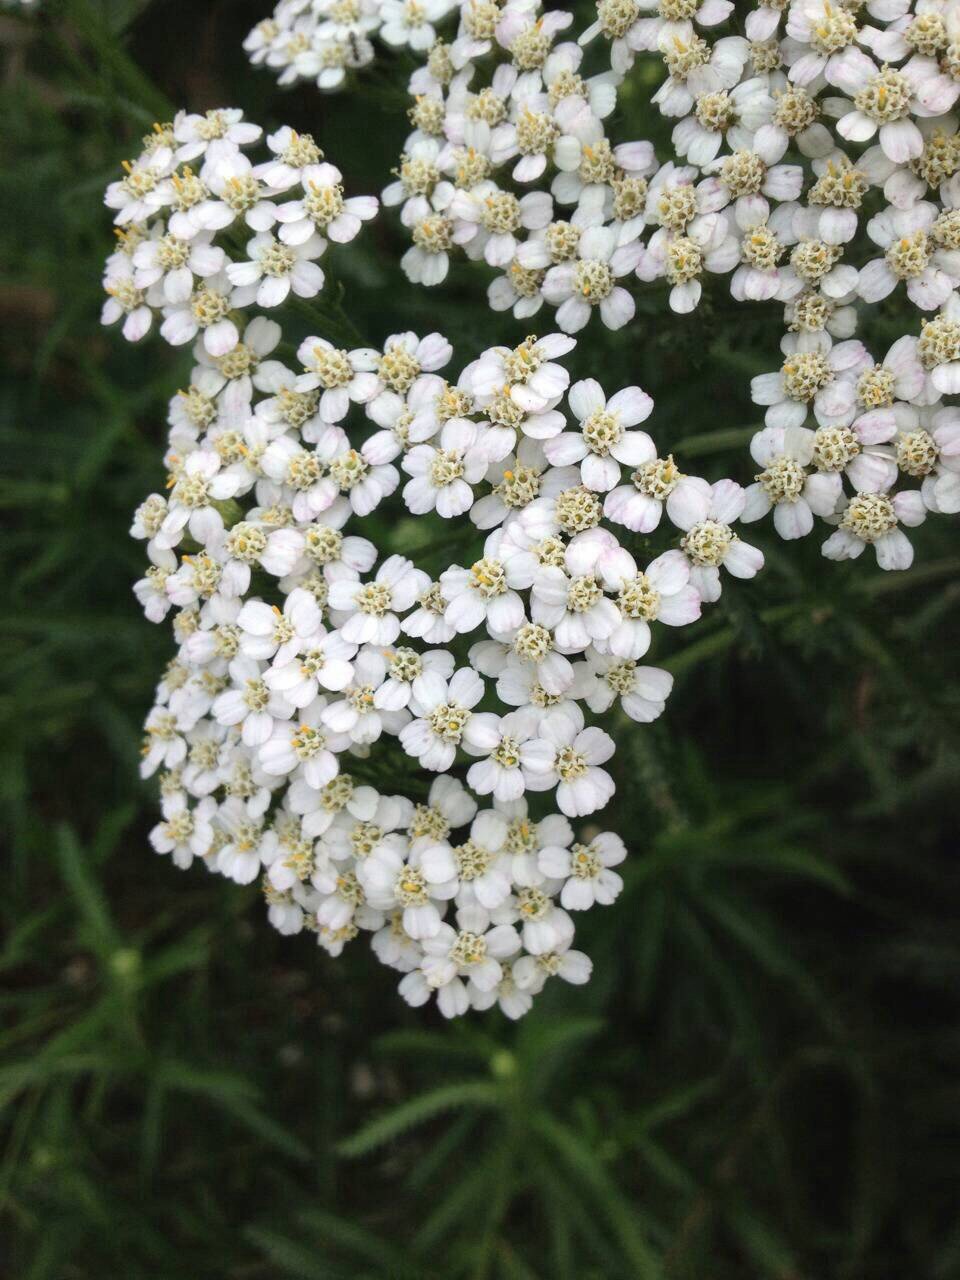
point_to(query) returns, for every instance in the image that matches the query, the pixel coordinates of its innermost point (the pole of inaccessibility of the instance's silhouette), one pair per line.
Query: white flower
(661, 593)
(941, 486)
(575, 288)
(574, 608)
(883, 99)
(585, 870)
(130, 196)
(820, 31)
(874, 518)
(568, 756)
(163, 745)
(274, 268)
(125, 299)
(304, 747)
(369, 609)
(604, 440)
(911, 255)
(696, 67)
(442, 477)
(450, 955)
(172, 263)
(405, 357)
(410, 22)
(192, 207)
(531, 134)
(403, 667)
(499, 740)
(325, 662)
(518, 290)
(486, 593)
(268, 632)
(784, 453)
(390, 883)
(478, 869)
(444, 711)
(206, 311)
(230, 176)
(250, 704)
(643, 691)
(426, 262)
(224, 125)
(531, 972)
(295, 154)
(428, 621)
(322, 208)
(184, 833)
(345, 376)
(239, 858)
(705, 245)
(535, 380)
(705, 513)
(823, 380)
(489, 219)
(357, 713)
(201, 481)
(720, 116)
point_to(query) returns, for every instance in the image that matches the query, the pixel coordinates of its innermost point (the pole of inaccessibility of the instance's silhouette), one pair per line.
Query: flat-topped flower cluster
(302, 651)
(323, 41)
(814, 161)
(305, 650)
(203, 232)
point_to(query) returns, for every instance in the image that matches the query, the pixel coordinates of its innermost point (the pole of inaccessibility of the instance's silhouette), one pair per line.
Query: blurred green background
(761, 1081)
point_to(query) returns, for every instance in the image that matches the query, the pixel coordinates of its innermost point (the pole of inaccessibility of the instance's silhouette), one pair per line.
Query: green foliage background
(761, 1080)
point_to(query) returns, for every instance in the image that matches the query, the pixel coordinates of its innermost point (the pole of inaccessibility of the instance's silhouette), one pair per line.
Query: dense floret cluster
(815, 163)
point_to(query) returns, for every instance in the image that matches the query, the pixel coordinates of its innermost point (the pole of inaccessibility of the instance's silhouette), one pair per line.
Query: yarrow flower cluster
(815, 161)
(302, 649)
(323, 40)
(203, 231)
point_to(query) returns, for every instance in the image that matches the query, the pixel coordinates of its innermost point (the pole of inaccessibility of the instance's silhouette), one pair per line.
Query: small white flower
(206, 311)
(294, 156)
(369, 609)
(575, 288)
(274, 269)
(305, 748)
(486, 593)
(604, 441)
(239, 858)
(585, 871)
(705, 513)
(184, 833)
(347, 377)
(499, 740)
(568, 756)
(250, 704)
(322, 209)
(444, 712)
(911, 256)
(643, 691)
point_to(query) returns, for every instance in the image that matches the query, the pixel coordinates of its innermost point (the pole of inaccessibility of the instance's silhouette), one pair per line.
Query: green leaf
(417, 1111)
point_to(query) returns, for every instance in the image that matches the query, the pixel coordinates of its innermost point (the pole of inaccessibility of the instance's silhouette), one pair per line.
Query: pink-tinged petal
(742, 560)
(894, 550)
(793, 519)
(689, 503)
(600, 474)
(901, 140)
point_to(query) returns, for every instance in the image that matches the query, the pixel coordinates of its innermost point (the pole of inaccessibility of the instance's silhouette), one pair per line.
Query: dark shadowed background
(761, 1081)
